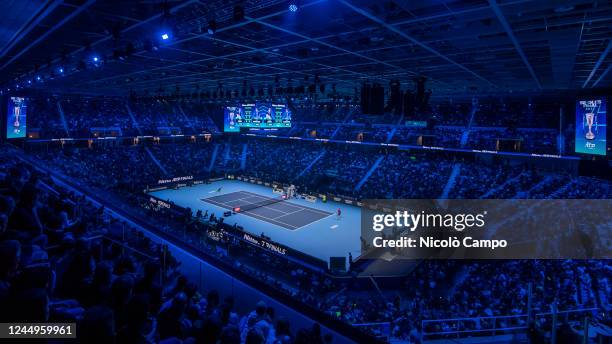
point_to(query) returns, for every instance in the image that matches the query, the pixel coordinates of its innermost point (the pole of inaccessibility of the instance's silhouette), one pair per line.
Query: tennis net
(251, 206)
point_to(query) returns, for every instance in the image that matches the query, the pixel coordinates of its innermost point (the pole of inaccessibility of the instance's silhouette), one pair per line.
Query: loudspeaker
(377, 102)
(366, 91)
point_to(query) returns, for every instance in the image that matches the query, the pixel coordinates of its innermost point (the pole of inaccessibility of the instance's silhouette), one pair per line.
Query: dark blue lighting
(293, 7)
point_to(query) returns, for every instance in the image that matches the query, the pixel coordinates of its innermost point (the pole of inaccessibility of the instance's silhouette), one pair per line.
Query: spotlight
(212, 27)
(95, 59)
(165, 36)
(29, 81)
(293, 5)
(61, 70)
(38, 78)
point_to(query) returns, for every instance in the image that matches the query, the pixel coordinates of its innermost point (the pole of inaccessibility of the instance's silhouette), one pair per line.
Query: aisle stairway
(314, 161)
(243, 157)
(213, 158)
(451, 181)
(369, 173)
(157, 162)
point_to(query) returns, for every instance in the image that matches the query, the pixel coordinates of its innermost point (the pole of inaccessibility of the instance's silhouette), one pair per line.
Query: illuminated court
(272, 210)
(312, 228)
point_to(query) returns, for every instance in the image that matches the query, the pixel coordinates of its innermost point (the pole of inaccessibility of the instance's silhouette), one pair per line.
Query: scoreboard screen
(591, 126)
(257, 115)
(16, 118)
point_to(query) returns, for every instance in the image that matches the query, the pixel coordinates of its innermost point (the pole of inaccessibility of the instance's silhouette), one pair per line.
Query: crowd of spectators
(498, 125)
(436, 289)
(318, 167)
(83, 115)
(540, 141)
(112, 169)
(403, 175)
(65, 259)
(46, 119)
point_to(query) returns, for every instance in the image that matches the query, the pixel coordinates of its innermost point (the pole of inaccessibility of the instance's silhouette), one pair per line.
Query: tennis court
(312, 228)
(272, 210)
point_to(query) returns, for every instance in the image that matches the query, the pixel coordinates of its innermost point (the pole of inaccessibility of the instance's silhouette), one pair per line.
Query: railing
(381, 330)
(494, 325)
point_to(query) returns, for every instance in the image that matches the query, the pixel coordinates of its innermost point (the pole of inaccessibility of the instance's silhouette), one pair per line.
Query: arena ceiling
(468, 46)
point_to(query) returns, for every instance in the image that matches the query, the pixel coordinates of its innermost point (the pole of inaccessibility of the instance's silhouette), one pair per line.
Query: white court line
(237, 199)
(269, 219)
(289, 213)
(293, 205)
(323, 218)
(263, 218)
(334, 227)
(220, 204)
(307, 208)
(315, 221)
(226, 204)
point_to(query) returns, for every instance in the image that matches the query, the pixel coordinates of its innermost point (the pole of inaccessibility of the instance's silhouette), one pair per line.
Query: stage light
(165, 36)
(212, 27)
(293, 6)
(95, 59)
(38, 78)
(29, 81)
(61, 70)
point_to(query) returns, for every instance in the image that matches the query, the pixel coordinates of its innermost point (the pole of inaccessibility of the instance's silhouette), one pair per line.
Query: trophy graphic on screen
(590, 118)
(16, 112)
(231, 117)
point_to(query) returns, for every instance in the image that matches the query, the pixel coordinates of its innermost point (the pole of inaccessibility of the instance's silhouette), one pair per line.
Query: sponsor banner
(156, 204)
(310, 198)
(174, 180)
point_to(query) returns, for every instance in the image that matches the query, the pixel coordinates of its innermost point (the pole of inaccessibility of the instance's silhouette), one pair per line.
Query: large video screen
(258, 115)
(591, 126)
(16, 118)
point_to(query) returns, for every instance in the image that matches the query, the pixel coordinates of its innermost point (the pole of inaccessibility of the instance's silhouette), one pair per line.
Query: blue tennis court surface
(281, 213)
(309, 227)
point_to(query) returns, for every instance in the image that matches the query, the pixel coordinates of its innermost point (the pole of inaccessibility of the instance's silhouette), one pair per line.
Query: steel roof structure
(487, 46)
